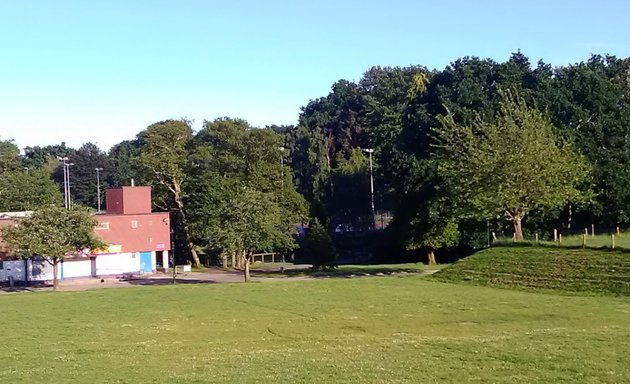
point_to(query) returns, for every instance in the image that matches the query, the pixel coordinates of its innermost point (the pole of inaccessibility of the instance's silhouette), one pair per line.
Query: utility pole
(370, 151)
(98, 189)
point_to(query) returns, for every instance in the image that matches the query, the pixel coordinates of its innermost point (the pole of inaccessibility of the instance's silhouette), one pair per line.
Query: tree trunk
(246, 261)
(233, 260)
(518, 229)
(180, 206)
(224, 261)
(55, 270)
(195, 257)
(430, 256)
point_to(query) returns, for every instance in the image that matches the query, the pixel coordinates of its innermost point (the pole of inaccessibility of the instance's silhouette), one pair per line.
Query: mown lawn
(370, 330)
(603, 272)
(271, 270)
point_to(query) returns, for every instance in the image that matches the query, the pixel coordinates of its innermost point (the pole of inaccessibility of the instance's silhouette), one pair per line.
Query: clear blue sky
(101, 71)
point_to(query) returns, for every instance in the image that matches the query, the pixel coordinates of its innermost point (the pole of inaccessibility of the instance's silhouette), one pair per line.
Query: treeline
(433, 138)
(581, 110)
(227, 188)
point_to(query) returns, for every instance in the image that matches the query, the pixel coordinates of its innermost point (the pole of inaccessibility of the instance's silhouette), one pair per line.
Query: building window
(102, 226)
(134, 223)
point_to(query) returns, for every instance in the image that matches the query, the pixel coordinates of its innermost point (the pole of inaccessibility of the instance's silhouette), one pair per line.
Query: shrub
(319, 249)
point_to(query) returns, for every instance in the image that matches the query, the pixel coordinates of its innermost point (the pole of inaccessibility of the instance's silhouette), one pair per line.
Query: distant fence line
(592, 237)
(271, 257)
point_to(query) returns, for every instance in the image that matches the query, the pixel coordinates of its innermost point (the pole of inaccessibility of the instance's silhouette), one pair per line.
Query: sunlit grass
(370, 330)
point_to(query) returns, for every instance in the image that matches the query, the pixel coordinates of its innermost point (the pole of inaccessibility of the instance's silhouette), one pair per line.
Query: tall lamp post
(68, 182)
(98, 189)
(370, 151)
(64, 161)
(282, 149)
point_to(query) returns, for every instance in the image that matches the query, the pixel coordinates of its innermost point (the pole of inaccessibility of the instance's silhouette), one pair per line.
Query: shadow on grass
(151, 282)
(341, 271)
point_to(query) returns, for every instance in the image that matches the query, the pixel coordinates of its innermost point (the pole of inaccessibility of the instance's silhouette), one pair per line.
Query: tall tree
(240, 197)
(165, 155)
(9, 156)
(42, 157)
(125, 162)
(512, 166)
(52, 232)
(26, 190)
(592, 108)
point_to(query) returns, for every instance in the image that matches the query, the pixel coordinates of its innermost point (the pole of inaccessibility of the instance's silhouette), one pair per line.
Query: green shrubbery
(319, 249)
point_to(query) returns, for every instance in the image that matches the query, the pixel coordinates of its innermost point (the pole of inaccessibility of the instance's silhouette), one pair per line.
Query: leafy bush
(319, 249)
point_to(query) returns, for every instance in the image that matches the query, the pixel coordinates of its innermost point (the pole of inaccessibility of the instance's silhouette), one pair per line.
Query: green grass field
(371, 330)
(271, 270)
(604, 272)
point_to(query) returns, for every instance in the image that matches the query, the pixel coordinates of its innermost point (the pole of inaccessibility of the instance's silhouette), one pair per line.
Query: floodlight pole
(282, 149)
(68, 181)
(64, 161)
(98, 189)
(370, 151)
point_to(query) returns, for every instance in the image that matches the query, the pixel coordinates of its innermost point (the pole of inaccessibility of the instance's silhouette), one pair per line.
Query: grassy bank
(604, 272)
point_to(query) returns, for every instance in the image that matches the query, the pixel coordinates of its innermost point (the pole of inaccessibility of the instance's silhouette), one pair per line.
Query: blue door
(145, 262)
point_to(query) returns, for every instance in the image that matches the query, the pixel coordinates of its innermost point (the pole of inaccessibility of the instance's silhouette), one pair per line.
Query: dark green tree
(319, 249)
(26, 190)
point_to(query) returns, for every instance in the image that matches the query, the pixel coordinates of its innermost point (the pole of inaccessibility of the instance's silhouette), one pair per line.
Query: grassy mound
(572, 270)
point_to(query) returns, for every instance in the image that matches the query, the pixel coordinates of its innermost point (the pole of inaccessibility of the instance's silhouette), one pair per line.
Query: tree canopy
(452, 154)
(52, 232)
(511, 166)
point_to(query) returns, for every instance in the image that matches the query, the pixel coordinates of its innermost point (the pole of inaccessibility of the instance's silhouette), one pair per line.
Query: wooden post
(555, 235)
(617, 230)
(536, 237)
(612, 241)
(273, 258)
(560, 238)
(592, 230)
(586, 231)
(584, 240)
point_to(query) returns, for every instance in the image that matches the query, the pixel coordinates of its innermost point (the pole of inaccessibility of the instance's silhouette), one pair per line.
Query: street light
(370, 151)
(282, 149)
(98, 189)
(68, 181)
(64, 161)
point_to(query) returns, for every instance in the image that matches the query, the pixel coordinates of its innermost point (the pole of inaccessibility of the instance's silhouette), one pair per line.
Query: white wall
(117, 264)
(77, 268)
(41, 270)
(13, 268)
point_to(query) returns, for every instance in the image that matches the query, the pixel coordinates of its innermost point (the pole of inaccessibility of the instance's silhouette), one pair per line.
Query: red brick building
(139, 242)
